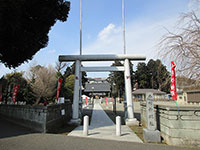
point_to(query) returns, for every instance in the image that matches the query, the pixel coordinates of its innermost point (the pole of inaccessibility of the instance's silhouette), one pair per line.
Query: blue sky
(102, 29)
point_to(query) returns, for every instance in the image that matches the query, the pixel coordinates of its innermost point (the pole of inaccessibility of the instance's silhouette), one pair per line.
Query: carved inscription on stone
(150, 112)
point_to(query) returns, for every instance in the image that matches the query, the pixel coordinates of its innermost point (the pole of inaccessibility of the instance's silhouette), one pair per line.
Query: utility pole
(123, 22)
(80, 27)
(80, 73)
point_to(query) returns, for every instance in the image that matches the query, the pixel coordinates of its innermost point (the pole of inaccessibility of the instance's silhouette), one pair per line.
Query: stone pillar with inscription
(150, 133)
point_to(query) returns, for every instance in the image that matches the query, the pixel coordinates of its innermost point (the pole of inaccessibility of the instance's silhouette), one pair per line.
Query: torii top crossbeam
(109, 57)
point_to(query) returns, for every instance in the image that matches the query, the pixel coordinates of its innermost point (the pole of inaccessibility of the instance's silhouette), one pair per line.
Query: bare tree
(183, 47)
(60, 66)
(43, 82)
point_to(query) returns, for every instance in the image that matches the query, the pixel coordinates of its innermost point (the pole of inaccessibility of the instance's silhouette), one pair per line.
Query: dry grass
(138, 130)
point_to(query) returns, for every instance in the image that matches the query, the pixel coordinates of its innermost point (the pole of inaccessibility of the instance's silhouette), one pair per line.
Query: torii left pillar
(75, 111)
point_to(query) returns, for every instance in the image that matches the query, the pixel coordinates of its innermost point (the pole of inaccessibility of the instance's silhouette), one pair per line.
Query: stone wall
(38, 118)
(177, 128)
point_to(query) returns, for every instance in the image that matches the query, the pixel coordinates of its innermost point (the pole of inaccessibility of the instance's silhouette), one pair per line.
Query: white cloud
(108, 31)
(106, 42)
(53, 51)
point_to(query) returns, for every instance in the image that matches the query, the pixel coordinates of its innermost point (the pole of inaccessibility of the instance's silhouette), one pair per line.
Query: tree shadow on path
(8, 129)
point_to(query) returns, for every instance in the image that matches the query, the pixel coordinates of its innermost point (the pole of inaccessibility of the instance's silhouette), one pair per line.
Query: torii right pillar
(128, 92)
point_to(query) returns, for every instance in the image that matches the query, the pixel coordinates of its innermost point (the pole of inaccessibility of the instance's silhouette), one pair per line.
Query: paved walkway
(102, 127)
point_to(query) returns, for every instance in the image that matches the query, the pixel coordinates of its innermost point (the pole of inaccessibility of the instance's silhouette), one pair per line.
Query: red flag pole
(173, 82)
(15, 90)
(58, 88)
(106, 101)
(86, 100)
(173, 85)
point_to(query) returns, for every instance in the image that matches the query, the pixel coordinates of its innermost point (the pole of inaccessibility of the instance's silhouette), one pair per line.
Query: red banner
(86, 100)
(15, 90)
(58, 88)
(106, 101)
(173, 82)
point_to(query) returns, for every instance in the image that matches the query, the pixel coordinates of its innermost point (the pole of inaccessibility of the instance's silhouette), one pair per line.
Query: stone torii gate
(78, 69)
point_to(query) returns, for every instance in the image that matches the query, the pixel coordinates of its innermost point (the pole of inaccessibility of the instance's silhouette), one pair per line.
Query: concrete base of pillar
(75, 121)
(151, 136)
(132, 122)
